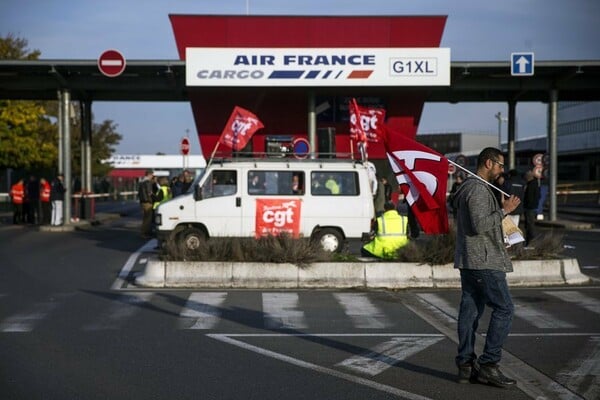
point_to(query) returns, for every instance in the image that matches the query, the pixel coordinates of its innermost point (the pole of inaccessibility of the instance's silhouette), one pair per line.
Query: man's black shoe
(490, 374)
(467, 373)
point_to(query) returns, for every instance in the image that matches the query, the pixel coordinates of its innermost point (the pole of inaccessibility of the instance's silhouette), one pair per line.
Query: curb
(182, 274)
(571, 225)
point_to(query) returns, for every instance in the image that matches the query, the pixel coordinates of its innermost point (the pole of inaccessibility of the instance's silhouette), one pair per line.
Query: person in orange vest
(17, 195)
(46, 207)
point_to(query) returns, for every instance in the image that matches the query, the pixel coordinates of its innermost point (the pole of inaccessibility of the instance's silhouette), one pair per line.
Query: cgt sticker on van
(277, 216)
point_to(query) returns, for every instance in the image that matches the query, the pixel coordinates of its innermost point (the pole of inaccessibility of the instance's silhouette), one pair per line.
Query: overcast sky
(476, 30)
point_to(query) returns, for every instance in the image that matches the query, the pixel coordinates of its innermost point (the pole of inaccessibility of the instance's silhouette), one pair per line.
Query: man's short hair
(489, 153)
(149, 172)
(389, 206)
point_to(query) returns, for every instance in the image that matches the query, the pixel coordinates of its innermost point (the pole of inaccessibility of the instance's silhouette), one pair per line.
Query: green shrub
(268, 249)
(427, 249)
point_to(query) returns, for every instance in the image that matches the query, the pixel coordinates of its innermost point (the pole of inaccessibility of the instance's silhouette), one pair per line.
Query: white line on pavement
(362, 311)
(118, 284)
(281, 311)
(539, 318)
(387, 354)
(314, 367)
(202, 310)
(582, 375)
(335, 334)
(531, 381)
(26, 321)
(582, 300)
(122, 308)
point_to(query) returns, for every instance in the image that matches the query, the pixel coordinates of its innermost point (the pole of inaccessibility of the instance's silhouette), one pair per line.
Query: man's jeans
(481, 287)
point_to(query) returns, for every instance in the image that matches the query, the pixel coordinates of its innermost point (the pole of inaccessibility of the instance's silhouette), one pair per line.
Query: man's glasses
(499, 163)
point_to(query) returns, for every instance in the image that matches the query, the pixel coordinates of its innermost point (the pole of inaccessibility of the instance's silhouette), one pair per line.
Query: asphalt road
(66, 334)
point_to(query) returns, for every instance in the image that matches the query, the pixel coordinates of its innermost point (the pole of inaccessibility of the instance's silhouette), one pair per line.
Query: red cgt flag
(239, 129)
(422, 174)
(366, 123)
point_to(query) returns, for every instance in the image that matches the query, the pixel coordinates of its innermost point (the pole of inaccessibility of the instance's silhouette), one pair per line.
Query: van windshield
(196, 180)
(220, 183)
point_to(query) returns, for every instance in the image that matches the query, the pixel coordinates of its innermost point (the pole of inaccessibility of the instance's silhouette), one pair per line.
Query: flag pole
(213, 154)
(480, 178)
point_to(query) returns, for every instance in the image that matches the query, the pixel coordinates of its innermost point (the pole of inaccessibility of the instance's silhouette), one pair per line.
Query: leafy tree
(27, 136)
(14, 48)
(105, 138)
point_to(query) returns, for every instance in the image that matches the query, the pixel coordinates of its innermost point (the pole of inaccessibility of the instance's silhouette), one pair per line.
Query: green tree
(27, 135)
(105, 138)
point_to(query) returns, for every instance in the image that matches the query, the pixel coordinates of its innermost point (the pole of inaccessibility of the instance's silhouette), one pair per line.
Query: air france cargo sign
(317, 67)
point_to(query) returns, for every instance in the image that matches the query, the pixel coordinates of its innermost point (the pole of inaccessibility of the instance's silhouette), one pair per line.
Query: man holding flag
(483, 262)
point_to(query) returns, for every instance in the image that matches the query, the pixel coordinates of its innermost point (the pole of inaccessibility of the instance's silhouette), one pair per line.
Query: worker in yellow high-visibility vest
(164, 192)
(391, 234)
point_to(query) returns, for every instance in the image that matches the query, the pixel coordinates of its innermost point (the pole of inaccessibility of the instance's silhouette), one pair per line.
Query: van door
(220, 208)
(272, 201)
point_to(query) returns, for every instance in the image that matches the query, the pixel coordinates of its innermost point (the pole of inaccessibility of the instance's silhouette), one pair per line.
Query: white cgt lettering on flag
(428, 179)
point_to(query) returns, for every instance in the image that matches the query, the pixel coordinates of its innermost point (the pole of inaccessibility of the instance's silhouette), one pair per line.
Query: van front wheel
(329, 239)
(191, 238)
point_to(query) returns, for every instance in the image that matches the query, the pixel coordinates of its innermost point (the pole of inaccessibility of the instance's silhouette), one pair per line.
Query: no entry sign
(111, 63)
(185, 146)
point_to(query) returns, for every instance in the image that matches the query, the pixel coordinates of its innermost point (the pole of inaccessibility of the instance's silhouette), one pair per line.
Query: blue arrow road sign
(521, 64)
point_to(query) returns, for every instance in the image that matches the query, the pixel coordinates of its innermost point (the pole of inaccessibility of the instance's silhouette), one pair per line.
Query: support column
(312, 124)
(552, 150)
(86, 146)
(60, 133)
(511, 134)
(66, 146)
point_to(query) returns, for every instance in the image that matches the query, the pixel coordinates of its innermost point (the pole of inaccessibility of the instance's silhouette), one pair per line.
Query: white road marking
(118, 284)
(582, 375)
(539, 318)
(281, 311)
(335, 335)
(25, 322)
(317, 368)
(202, 310)
(582, 300)
(531, 381)
(553, 334)
(122, 308)
(442, 307)
(143, 261)
(362, 311)
(387, 354)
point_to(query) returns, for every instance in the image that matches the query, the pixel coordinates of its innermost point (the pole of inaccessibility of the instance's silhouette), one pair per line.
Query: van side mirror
(198, 193)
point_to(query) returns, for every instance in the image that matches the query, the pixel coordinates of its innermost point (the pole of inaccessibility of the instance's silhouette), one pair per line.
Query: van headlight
(158, 219)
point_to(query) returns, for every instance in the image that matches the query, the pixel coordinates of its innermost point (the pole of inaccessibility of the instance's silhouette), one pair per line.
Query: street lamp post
(500, 119)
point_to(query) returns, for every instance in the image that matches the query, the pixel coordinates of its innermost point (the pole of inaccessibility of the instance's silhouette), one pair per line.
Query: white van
(325, 200)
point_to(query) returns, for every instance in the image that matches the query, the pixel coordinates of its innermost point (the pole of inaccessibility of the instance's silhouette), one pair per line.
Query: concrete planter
(190, 274)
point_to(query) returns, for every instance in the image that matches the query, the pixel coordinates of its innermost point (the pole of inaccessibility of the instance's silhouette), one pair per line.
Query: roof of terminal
(164, 80)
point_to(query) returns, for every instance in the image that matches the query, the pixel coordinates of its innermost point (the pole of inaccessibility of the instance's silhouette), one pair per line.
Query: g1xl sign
(317, 67)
